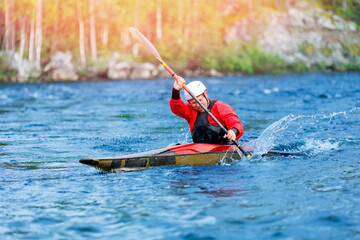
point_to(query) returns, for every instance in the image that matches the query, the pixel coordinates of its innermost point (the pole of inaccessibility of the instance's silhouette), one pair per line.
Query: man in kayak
(203, 128)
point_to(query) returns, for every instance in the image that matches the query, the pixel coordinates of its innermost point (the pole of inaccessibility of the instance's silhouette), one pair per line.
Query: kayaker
(203, 128)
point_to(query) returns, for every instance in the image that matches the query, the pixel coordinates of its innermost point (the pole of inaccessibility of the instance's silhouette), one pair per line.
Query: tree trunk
(158, 20)
(314, 8)
(180, 16)
(92, 31)
(195, 24)
(23, 39)
(180, 19)
(124, 34)
(344, 5)
(81, 36)
(277, 4)
(135, 49)
(55, 27)
(187, 21)
(8, 26)
(105, 35)
(32, 38)
(125, 39)
(38, 34)
(105, 27)
(250, 8)
(288, 4)
(12, 27)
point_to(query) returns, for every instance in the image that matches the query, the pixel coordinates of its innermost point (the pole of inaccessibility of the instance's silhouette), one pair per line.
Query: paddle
(150, 47)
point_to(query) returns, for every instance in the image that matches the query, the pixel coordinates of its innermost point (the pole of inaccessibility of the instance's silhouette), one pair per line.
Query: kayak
(194, 154)
(186, 154)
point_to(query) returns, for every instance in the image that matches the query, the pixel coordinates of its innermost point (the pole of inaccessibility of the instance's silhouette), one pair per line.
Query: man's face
(196, 106)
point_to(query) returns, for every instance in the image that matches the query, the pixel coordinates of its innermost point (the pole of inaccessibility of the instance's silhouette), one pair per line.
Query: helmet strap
(207, 99)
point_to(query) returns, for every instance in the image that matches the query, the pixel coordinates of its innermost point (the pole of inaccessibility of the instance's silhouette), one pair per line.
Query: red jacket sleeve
(183, 110)
(226, 116)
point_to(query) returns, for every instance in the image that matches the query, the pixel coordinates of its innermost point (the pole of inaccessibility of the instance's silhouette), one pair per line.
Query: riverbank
(302, 38)
(61, 69)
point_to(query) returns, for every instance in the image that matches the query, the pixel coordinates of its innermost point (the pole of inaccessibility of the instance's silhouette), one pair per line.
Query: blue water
(45, 193)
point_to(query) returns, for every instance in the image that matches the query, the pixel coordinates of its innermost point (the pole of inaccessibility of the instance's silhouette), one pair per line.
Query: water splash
(271, 134)
(230, 157)
(310, 134)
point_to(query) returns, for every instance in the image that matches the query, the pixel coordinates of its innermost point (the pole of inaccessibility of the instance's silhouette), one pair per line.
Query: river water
(45, 193)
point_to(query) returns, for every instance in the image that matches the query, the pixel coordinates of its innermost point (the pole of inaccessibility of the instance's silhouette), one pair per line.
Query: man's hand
(179, 83)
(230, 135)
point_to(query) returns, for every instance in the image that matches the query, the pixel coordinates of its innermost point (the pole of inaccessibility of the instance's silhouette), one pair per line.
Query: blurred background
(74, 40)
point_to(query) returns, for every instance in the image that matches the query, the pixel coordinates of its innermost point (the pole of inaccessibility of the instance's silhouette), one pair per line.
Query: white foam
(268, 91)
(297, 128)
(317, 145)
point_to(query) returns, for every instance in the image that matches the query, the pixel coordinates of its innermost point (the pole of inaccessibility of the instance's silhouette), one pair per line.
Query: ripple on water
(46, 194)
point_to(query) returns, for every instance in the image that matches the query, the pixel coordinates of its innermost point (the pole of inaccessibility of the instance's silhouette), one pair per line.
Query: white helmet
(196, 87)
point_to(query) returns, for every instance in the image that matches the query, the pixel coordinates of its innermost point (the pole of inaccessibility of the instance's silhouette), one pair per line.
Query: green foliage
(2, 60)
(326, 52)
(100, 64)
(248, 58)
(353, 65)
(2, 76)
(351, 12)
(7, 76)
(299, 67)
(355, 49)
(307, 48)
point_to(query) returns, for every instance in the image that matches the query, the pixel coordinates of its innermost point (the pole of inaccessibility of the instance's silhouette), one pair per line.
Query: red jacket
(222, 112)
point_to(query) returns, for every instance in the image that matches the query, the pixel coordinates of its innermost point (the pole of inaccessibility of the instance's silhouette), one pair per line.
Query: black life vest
(205, 132)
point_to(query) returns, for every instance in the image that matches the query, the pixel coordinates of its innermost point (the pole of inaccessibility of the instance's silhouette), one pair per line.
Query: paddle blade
(145, 42)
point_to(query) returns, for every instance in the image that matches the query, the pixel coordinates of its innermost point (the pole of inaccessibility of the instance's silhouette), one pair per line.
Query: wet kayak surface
(46, 193)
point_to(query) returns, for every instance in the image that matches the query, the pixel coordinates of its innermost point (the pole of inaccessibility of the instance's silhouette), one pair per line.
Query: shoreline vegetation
(84, 40)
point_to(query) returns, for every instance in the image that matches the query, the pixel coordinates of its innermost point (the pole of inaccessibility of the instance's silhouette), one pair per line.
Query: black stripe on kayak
(135, 162)
(142, 162)
(162, 161)
(116, 164)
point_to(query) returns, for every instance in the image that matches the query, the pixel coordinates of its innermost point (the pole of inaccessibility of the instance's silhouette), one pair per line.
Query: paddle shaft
(173, 74)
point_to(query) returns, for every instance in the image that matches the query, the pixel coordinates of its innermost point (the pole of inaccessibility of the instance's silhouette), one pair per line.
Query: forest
(185, 31)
